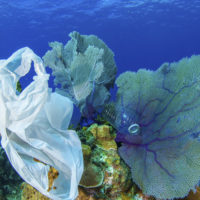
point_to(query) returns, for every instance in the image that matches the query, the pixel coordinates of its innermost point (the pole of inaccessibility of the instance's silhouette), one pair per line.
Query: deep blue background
(141, 33)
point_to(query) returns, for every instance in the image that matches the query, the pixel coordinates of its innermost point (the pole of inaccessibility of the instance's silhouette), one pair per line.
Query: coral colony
(155, 117)
(85, 68)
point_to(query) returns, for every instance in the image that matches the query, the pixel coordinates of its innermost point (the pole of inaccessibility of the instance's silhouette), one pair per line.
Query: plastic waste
(33, 126)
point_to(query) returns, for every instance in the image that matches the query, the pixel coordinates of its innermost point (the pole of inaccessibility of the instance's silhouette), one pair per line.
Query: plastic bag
(33, 126)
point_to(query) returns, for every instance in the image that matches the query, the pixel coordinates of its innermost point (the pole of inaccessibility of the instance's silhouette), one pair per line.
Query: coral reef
(30, 193)
(157, 119)
(84, 69)
(9, 179)
(106, 176)
(100, 150)
(153, 141)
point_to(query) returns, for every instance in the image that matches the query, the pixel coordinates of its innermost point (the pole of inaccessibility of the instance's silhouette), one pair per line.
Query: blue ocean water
(141, 33)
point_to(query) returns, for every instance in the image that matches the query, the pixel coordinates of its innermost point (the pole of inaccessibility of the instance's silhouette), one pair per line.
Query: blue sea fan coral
(157, 118)
(84, 68)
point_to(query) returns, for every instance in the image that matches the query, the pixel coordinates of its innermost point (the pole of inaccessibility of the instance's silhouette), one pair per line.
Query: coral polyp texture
(105, 175)
(30, 193)
(157, 118)
(84, 68)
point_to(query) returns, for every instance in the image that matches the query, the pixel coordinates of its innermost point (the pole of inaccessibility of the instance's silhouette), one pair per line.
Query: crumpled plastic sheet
(33, 125)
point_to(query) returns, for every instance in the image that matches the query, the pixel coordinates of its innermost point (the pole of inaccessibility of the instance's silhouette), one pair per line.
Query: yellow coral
(101, 132)
(108, 145)
(86, 150)
(30, 193)
(103, 137)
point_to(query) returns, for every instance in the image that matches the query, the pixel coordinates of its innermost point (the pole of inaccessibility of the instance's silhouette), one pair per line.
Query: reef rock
(116, 179)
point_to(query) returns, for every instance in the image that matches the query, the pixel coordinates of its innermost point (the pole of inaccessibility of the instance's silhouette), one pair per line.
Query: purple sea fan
(157, 115)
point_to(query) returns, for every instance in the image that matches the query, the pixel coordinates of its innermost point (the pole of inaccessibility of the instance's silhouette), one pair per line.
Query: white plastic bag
(33, 126)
